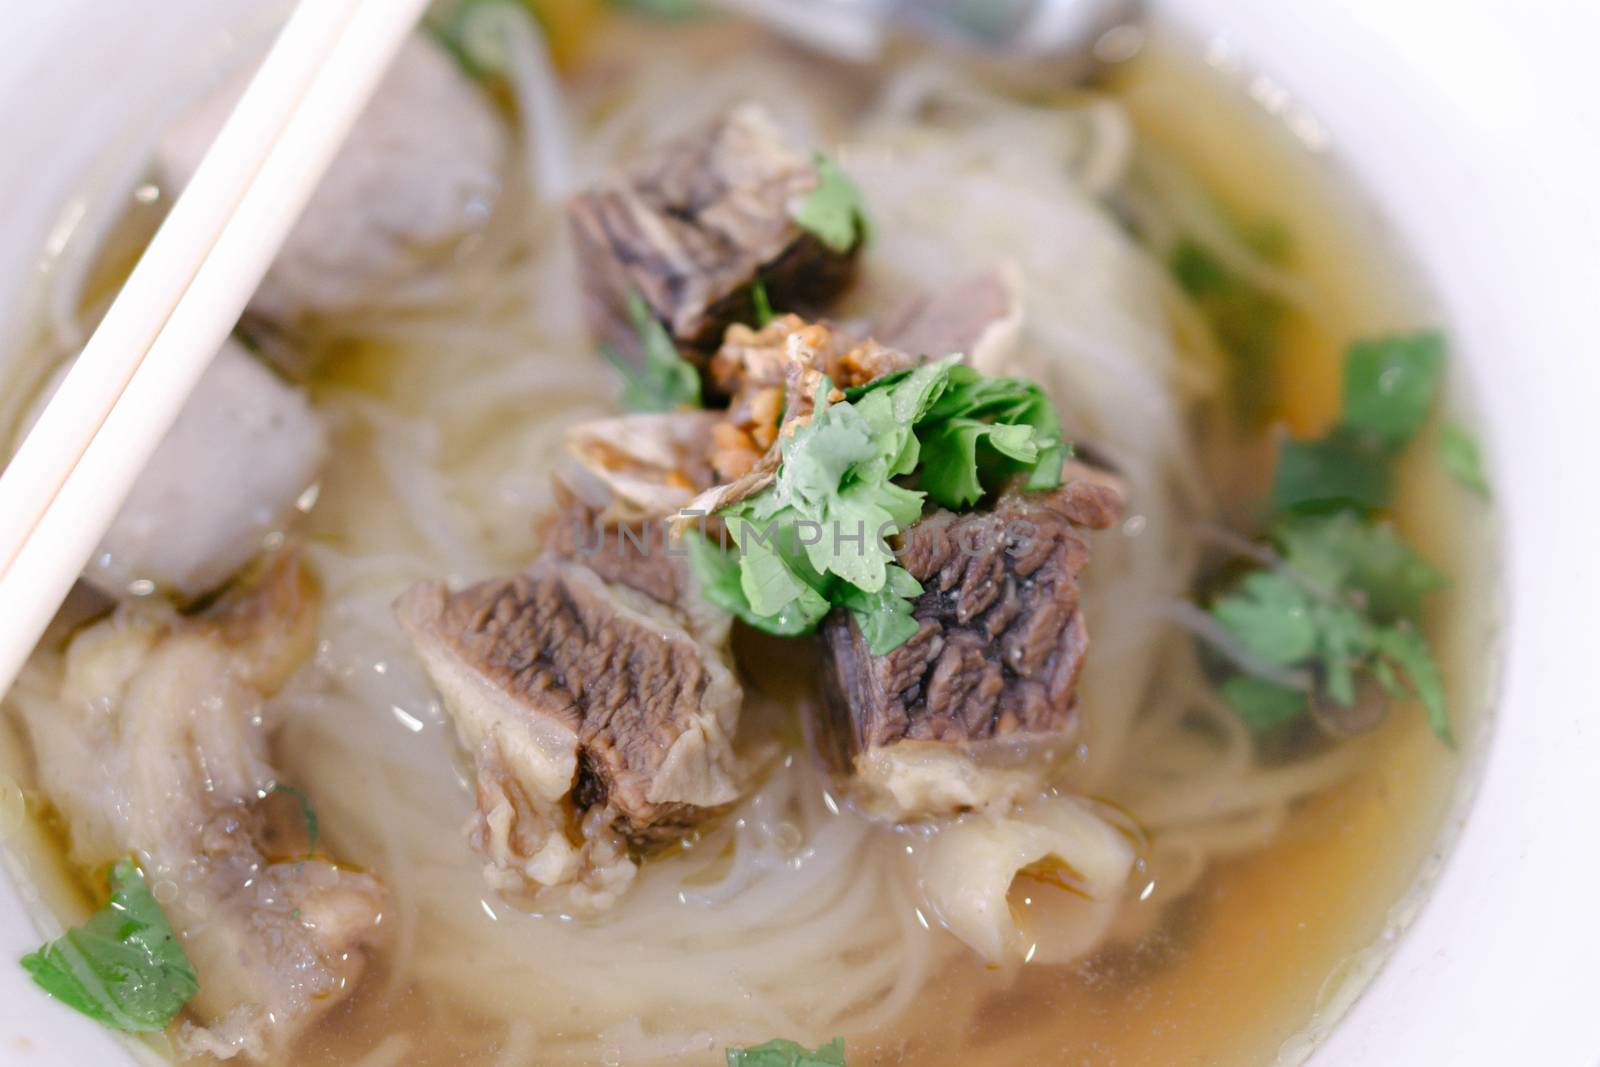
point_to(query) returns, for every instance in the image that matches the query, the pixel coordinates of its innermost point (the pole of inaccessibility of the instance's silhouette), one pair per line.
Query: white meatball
(420, 170)
(243, 450)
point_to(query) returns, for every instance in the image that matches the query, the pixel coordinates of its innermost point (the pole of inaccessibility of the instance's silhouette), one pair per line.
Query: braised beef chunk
(159, 747)
(995, 660)
(595, 691)
(690, 228)
(623, 554)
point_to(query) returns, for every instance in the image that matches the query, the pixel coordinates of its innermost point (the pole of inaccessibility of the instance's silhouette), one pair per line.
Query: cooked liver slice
(692, 225)
(992, 669)
(593, 690)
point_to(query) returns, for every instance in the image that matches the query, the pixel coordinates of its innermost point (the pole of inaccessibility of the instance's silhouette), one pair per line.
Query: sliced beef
(596, 692)
(969, 709)
(690, 227)
(624, 554)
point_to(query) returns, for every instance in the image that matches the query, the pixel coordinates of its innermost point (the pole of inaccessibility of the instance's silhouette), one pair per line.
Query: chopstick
(78, 463)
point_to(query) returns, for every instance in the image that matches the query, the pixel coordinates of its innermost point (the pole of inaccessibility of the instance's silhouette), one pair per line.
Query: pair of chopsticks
(64, 486)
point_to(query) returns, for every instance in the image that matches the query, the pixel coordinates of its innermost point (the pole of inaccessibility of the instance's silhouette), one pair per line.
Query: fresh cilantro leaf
(124, 967)
(833, 499)
(718, 575)
(1271, 616)
(665, 381)
(1344, 639)
(1334, 472)
(1348, 597)
(979, 430)
(1458, 451)
(1406, 665)
(761, 302)
(1263, 704)
(817, 537)
(1390, 384)
(885, 617)
(1389, 387)
(1345, 552)
(1345, 602)
(783, 1053)
(833, 211)
(775, 577)
(1282, 623)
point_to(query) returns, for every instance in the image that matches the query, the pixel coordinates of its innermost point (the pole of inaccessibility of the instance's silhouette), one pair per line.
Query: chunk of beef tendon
(692, 225)
(157, 745)
(599, 700)
(973, 708)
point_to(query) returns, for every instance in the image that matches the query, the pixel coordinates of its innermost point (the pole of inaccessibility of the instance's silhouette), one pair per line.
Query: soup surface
(1272, 867)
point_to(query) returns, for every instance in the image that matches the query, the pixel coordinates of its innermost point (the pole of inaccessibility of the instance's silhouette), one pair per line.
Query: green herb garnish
(665, 381)
(981, 430)
(1389, 387)
(1346, 600)
(471, 31)
(123, 967)
(761, 303)
(834, 210)
(859, 472)
(783, 1053)
(1458, 451)
(1263, 704)
(1367, 559)
(1330, 473)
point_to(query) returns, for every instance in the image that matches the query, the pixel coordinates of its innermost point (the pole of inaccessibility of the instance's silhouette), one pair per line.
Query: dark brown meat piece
(692, 226)
(624, 554)
(596, 693)
(994, 662)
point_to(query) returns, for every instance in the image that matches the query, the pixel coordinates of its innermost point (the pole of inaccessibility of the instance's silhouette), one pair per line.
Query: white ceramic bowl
(1474, 126)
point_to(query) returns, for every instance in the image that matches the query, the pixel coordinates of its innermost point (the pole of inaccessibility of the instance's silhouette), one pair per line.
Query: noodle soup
(1190, 275)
